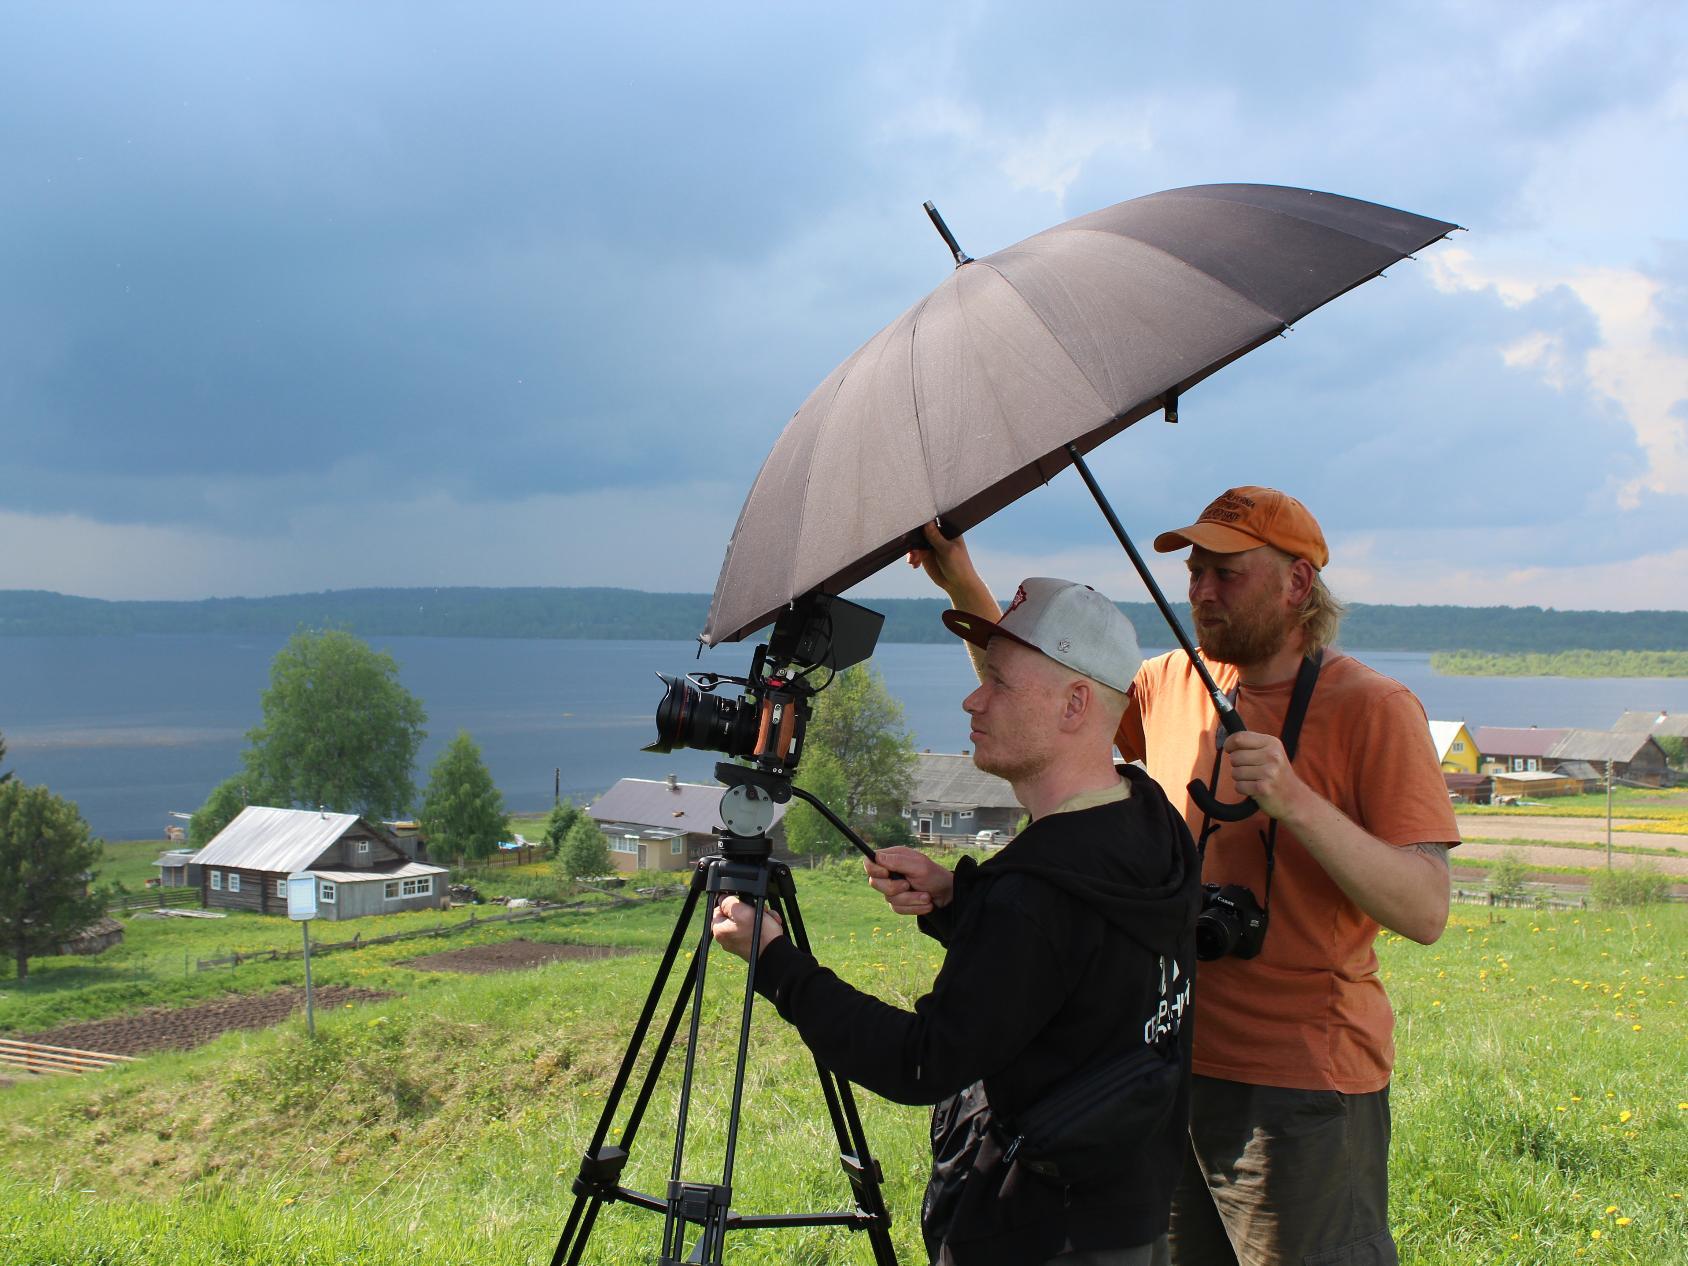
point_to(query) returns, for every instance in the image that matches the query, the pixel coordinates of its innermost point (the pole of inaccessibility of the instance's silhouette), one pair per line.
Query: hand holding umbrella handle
(1206, 801)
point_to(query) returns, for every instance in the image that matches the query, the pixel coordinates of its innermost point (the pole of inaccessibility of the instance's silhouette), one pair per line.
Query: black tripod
(745, 868)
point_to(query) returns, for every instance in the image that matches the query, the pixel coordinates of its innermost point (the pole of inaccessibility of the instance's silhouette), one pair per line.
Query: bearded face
(1238, 606)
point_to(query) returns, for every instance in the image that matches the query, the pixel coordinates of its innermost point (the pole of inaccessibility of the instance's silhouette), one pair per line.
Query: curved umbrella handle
(1216, 808)
(1206, 801)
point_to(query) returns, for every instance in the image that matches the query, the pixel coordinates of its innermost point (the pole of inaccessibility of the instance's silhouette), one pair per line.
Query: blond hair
(1320, 616)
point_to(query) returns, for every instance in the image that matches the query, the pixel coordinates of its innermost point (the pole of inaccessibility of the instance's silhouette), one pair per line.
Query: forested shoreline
(1576, 663)
(616, 614)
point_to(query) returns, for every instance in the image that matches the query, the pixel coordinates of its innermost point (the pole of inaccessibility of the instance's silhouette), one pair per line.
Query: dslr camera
(1231, 922)
(818, 634)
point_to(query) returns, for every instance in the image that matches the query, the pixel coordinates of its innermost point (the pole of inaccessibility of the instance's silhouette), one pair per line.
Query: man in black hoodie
(1072, 945)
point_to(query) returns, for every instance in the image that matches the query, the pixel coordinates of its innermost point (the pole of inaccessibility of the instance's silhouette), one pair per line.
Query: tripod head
(747, 811)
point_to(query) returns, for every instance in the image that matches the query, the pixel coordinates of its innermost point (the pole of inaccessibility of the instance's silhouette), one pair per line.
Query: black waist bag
(1078, 1131)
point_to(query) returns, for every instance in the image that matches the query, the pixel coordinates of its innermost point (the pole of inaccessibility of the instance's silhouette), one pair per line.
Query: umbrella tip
(961, 256)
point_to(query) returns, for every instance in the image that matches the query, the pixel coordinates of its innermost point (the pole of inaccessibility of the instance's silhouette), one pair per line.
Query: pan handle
(1206, 801)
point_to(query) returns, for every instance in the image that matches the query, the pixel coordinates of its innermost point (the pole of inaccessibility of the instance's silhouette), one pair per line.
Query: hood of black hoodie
(1132, 860)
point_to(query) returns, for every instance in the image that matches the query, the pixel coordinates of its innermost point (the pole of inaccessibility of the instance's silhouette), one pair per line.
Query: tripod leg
(866, 1177)
(601, 1167)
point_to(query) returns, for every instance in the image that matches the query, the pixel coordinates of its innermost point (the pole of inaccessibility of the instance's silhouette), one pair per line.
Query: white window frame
(966, 814)
(234, 881)
(326, 892)
(216, 881)
(1459, 745)
(1533, 765)
(626, 844)
(949, 818)
(907, 812)
(390, 890)
(873, 811)
(281, 888)
(677, 847)
(363, 846)
(418, 886)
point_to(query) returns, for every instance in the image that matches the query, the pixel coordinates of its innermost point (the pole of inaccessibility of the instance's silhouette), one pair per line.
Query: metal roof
(406, 870)
(674, 806)
(1443, 734)
(1654, 723)
(951, 780)
(1500, 740)
(1622, 746)
(280, 839)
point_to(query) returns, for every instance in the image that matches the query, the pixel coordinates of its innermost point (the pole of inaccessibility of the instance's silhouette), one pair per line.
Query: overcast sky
(309, 296)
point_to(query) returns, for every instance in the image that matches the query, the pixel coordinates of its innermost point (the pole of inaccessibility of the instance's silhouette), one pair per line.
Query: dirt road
(1474, 829)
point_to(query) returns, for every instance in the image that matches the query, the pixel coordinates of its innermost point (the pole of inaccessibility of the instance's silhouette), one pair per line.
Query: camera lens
(1216, 932)
(686, 717)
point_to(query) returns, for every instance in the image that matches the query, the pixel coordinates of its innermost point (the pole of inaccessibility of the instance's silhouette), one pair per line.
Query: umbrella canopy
(971, 397)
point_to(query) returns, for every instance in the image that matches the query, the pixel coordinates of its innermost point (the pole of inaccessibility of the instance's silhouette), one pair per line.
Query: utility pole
(556, 786)
(1608, 813)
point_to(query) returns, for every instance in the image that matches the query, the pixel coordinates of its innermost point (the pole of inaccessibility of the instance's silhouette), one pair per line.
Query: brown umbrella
(1024, 360)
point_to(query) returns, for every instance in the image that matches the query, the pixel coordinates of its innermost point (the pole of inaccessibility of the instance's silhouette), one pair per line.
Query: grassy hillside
(1538, 1099)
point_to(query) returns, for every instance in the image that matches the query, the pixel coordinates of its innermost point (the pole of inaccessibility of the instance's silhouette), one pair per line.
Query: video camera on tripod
(765, 725)
(814, 639)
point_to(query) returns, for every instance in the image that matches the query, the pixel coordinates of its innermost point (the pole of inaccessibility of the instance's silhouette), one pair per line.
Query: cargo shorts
(1278, 1177)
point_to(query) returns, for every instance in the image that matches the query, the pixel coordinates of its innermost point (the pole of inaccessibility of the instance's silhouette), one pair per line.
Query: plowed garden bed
(182, 1028)
(509, 956)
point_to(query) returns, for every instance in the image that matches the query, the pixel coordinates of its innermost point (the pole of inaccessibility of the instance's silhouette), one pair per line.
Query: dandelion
(1624, 1116)
(1594, 1234)
(1635, 1028)
(1611, 1209)
(1625, 1221)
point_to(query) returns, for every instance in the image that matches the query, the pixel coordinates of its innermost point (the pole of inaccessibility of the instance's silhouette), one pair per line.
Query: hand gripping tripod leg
(745, 868)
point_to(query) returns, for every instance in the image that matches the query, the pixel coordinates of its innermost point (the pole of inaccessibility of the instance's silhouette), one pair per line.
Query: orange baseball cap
(1246, 518)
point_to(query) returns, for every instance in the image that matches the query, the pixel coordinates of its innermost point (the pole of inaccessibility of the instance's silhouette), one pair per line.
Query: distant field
(1561, 664)
(1539, 1100)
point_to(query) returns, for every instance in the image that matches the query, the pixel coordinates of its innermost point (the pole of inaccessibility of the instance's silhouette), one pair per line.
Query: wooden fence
(1520, 900)
(155, 899)
(33, 1057)
(360, 941)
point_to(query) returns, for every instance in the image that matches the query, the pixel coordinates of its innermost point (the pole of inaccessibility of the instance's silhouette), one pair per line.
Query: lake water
(133, 727)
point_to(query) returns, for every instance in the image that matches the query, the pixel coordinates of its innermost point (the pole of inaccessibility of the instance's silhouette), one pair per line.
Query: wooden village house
(1634, 756)
(953, 798)
(1514, 749)
(361, 867)
(666, 824)
(1455, 747)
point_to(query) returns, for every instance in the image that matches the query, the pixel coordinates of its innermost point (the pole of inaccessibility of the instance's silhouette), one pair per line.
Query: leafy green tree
(5, 774)
(1675, 750)
(462, 810)
(223, 806)
(46, 856)
(339, 730)
(584, 850)
(859, 723)
(563, 816)
(889, 829)
(807, 833)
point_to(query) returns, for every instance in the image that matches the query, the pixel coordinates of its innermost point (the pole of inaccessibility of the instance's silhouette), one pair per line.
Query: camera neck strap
(1290, 736)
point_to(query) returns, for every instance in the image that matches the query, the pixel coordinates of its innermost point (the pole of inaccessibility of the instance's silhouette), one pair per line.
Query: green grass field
(1541, 1101)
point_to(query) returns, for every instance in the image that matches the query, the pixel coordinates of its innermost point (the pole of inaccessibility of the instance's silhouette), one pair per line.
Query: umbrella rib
(1037, 459)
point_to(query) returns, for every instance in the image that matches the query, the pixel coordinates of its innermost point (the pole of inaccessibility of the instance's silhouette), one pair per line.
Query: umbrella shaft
(1227, 713)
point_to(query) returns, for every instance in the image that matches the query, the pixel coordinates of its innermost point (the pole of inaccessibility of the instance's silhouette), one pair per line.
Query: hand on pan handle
(951, 568)
(910, 881)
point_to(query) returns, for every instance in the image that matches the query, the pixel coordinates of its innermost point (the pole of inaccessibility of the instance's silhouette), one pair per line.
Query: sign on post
(301, 906)
(301, 895)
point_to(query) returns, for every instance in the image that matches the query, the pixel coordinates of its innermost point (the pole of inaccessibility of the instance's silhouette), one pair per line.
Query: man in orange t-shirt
(1289, 1125)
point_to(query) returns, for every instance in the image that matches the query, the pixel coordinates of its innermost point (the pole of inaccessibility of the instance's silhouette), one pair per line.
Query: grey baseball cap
(1071, 623)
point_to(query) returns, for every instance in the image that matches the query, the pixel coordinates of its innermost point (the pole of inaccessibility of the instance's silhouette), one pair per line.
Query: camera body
(1231, 922)
(765, 724)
